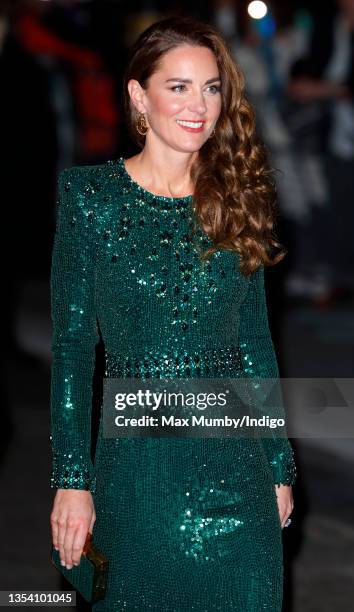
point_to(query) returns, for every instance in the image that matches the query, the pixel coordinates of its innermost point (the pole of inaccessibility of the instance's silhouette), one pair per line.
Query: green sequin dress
(187, 524)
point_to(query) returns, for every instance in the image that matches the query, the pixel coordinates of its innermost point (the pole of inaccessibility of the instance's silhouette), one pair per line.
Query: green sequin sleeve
(74, 337)
(260, 362)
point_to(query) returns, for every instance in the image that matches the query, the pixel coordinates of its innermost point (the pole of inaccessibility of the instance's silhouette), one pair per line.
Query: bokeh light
(257, 9)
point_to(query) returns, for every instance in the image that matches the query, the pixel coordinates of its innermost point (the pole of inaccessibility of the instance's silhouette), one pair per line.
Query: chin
(191, 148)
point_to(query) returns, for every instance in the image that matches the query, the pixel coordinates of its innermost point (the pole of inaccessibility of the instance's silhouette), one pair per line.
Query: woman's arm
(259, 361)
(74, 336)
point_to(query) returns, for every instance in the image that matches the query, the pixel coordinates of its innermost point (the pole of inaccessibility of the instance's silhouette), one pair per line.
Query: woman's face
(182, 101)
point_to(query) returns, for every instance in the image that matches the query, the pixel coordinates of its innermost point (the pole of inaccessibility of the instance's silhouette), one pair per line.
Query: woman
(186, 524)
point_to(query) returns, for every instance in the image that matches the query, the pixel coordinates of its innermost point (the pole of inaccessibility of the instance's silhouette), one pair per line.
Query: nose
(197, 103)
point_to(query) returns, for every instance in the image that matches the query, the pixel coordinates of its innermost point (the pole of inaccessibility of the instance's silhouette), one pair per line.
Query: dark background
(61, 66)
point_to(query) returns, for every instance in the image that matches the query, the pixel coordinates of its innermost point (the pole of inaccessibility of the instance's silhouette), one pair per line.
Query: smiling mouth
(191, 124)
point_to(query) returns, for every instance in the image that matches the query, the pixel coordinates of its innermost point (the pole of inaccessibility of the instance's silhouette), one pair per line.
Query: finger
(78, 543)
(55, 531)
(61, 538)
(282, 516)
(285, 518)
(93, 520)
(68, 544)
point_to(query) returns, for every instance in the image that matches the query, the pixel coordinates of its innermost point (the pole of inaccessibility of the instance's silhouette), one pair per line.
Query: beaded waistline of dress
(162, 363)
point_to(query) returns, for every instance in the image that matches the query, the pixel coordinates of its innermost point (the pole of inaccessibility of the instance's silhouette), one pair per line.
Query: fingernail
(62, 562)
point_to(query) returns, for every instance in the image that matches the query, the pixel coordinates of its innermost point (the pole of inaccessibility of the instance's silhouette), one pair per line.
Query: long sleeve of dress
(74, 337)
(260, 362)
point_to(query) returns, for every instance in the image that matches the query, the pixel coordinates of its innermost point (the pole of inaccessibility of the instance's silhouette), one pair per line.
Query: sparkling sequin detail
(221, 362)
(187, 524)
(199, 528)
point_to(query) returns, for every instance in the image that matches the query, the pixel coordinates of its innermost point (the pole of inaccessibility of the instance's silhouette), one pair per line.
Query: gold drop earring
(141, 125)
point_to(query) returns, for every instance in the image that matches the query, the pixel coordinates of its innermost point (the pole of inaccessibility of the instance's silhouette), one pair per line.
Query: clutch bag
(89, 578)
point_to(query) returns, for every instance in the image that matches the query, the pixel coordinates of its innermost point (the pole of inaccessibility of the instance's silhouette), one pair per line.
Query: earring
(141, 125)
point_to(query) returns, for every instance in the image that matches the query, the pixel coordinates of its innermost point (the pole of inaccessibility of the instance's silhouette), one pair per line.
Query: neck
(164, 172)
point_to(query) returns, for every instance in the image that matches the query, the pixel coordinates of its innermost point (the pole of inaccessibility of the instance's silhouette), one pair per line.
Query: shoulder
(256, 278)
(86, 196)
(78, 176)
(95, 183)
(254, 285)
(85, 187)
(77, 187)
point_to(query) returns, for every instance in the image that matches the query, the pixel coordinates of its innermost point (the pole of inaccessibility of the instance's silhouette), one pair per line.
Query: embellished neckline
(148, 194)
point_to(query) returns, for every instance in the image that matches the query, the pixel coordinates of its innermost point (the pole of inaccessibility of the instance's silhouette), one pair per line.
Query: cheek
(214, 107)
(164, 107)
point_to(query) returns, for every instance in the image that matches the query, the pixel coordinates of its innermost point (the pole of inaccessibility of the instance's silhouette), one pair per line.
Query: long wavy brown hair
(234, 187)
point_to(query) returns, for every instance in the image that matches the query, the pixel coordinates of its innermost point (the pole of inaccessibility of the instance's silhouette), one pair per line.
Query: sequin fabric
(187, 524)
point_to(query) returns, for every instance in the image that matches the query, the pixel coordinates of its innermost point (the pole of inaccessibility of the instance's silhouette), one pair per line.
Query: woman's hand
(285, 501)
(72, 517)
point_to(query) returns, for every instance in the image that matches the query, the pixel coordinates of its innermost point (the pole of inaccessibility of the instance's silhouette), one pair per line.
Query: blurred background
(61, 67)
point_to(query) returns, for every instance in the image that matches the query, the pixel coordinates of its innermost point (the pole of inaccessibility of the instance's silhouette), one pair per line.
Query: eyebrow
(189, 80)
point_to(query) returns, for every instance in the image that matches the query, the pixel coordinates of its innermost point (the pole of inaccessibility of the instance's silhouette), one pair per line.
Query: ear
(137, 96)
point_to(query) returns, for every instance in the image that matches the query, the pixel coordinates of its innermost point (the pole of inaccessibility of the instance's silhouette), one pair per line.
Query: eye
(215, 89)
(177, 88)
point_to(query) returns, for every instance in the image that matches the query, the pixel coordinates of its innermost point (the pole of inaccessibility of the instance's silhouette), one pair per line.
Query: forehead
(191, 58)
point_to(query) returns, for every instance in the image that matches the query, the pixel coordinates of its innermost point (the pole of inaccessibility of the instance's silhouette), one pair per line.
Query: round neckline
(148, 193)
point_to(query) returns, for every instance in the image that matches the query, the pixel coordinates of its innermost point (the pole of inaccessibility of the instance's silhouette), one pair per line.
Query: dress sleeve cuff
(283, 467)
(69, 474)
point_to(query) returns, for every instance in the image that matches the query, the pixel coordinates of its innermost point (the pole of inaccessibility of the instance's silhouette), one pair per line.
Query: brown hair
(234, 190)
